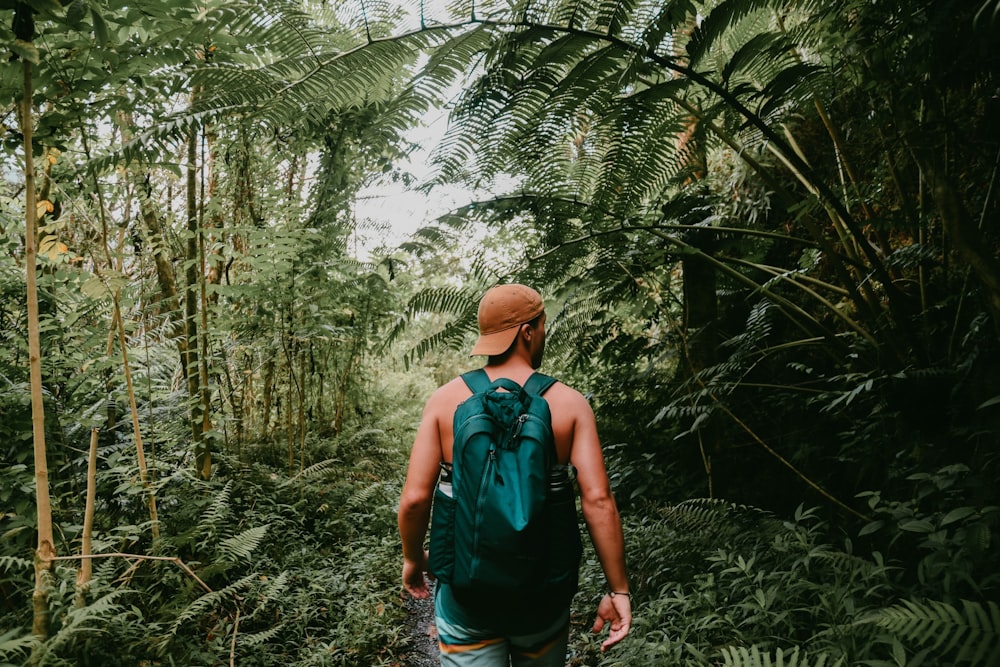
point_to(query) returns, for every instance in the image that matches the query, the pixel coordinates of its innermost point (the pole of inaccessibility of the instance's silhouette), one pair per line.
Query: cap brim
(495, 343)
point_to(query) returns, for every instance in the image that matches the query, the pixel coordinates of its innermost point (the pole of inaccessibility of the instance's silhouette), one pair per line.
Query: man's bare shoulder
(565, 399)
(447, 396)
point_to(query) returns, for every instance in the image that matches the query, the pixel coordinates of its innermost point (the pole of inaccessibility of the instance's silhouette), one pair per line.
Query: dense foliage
(765, 231)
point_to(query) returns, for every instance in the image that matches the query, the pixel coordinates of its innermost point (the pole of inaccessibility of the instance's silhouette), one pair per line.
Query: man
(512, 336)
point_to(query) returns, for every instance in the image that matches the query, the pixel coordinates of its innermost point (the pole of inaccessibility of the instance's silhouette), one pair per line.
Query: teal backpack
(507, 523)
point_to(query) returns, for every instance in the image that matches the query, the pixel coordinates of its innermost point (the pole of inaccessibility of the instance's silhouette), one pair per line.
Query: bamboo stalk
(232, 646)
(43, 505)
(136, 430)
(85, 572)
(172, 559)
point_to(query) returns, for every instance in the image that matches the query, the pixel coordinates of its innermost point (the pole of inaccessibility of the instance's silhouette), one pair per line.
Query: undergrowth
(301, 571)
(719, 584)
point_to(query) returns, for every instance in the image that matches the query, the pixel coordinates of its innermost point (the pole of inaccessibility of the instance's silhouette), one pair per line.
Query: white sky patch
(388, 212)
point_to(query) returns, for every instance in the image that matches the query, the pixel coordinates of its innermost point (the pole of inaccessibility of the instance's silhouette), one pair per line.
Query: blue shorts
(464, 646)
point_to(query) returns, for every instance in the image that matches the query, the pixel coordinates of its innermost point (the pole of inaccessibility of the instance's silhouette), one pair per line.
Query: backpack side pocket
(565, 546)
(441, 558)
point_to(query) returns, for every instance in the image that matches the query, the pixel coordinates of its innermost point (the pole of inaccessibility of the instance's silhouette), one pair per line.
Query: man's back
(512, 335)
(568, 407)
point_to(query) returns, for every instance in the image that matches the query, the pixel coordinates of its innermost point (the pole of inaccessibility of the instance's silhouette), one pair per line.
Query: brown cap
(501, 311)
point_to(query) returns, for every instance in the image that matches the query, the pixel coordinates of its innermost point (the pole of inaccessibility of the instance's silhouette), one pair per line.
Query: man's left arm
(415, 501)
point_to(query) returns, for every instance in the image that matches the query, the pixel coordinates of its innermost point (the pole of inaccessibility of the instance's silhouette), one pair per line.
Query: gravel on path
(423, 648)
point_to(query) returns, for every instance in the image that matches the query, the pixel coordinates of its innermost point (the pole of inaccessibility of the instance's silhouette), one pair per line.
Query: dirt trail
(423, 650)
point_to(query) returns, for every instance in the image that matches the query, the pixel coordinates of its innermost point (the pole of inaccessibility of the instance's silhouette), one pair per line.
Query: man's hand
(617, 612)
(414, 581)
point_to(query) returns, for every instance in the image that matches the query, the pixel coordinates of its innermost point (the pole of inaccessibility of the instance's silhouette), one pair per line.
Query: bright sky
(396, 211)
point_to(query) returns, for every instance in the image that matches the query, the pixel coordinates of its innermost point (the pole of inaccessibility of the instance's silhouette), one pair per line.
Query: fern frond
(91, 618)
(315, 470)
(219, 509)
(365, 434)
(241, 547)
(14, 648)
(209, 601)
(973, 631)
(718, 25)
(461, 303)
(713, 516)
(13, 563)
(362, 497)
(754, 656)
(249, 640)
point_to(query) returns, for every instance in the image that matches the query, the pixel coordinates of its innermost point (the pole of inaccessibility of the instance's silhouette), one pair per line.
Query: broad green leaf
(100, 27)
(26, 50)
(957, 514)
(917, 526)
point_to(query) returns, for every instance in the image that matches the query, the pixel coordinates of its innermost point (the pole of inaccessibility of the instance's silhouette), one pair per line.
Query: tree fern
(460, 303)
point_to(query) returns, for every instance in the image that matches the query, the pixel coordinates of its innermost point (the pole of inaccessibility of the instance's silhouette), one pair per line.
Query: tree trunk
(302, 409)
(268, 391)
(192, 369)
(701, 306)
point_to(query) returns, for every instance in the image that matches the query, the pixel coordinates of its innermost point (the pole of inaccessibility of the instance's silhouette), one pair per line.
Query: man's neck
(513, 367)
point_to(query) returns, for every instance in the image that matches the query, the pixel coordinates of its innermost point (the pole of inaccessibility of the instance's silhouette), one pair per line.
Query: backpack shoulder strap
(538, 384)
(476, 380)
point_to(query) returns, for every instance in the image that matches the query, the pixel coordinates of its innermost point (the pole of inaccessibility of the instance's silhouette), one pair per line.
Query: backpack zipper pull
(496, 469)
(518, 425)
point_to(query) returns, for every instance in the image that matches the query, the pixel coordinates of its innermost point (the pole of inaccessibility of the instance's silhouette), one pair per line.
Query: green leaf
(991, 402)
(957, 514)
(97, 288)
(917, 526)
(26, 50)
(871, 528)
(100, 27)
(75, 13)
(46, 6)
